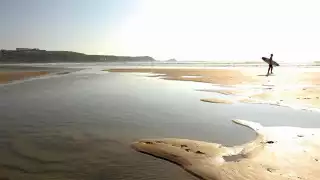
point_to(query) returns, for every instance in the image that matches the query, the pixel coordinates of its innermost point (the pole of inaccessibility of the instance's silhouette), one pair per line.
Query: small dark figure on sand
(270, 65)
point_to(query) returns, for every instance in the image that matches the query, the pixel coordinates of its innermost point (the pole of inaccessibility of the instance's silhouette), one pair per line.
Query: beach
(292, 86)
(83, 124)
(159, 90)
(273, 154)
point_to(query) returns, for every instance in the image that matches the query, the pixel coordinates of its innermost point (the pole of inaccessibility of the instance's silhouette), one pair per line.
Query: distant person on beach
(270, 65)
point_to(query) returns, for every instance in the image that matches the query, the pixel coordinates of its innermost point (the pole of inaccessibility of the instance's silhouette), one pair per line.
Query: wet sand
(305, 97)
(9, 76)
(273, 154)
(294, 86)
(214, 76)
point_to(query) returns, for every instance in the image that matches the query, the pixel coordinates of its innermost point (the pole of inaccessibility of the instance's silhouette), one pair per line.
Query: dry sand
(273, 155)
(6, 77)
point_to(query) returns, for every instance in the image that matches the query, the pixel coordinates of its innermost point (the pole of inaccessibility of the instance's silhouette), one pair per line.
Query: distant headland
(172, 60)
(28, 55)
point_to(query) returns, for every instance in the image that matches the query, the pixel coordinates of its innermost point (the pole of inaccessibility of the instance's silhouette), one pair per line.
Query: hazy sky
(181, 29)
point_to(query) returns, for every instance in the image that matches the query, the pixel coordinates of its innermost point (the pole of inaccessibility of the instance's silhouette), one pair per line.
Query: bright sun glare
(221, 30)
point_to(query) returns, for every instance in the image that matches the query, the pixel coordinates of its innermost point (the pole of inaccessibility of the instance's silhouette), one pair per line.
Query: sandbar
(9, 76)
(280, 87)
(217, 100)
(214, 76)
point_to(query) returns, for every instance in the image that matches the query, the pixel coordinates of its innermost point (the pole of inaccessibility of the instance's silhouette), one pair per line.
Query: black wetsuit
(270, 65)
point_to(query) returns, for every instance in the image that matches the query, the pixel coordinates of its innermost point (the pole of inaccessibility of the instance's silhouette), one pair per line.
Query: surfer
(270, 65)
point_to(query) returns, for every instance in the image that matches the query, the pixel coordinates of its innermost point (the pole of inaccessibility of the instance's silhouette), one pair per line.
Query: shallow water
(80, 125)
